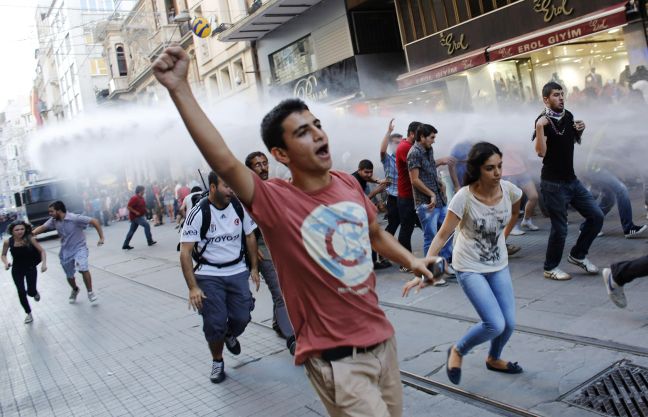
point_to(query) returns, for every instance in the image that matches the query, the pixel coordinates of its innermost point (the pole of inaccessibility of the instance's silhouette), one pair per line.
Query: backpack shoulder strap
(205, 210)
(238, 207)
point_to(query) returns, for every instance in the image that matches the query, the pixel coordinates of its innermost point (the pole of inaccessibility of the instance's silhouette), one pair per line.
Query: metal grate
(620, 390)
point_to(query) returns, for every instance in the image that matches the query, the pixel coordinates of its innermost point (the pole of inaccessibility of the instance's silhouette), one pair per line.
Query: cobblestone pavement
(139, 351)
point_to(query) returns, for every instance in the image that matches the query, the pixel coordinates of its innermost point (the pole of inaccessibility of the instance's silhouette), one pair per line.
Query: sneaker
(151, 243)
(404, 270)
(218, 372)
(517, 231)
(92, 296)
(450, 272)
(527, 224)
(557, 274)
(512, 249)
(636, 232)
(381, 265)
(73, 295)
(584, 263)
(615, 291)
(29, 318)
(37, 296)
(232, 344)
(440, 282)
(127, 247)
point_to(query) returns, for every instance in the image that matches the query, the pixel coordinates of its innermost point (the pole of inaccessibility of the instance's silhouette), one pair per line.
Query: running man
(137, 216)
(74, 249)
(258, 162)
(216, 233)
(556, 132)
(320, 229)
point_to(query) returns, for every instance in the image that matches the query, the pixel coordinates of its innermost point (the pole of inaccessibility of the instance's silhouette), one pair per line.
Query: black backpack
(197, 254)
(34, 254)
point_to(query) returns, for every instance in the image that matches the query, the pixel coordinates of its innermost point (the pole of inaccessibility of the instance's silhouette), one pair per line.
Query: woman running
(483, 213)
(26, 254)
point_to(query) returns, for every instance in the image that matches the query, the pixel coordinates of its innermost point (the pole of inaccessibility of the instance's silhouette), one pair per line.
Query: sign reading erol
(556, 37)
(510, 22)
(442, 71)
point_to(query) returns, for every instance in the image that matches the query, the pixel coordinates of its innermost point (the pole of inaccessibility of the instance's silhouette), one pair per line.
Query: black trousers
(393, 218)
(20, 275)
(626, 271)
(408, 216)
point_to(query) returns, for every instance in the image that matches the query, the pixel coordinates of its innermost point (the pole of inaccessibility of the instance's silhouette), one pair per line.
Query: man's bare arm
(171, 69)
(541, 139)
(385, 141)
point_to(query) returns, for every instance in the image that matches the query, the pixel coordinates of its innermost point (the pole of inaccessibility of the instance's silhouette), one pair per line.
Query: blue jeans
(138, 221)
(492, 296)
(431, 221)
(557, 195)
(612, 190)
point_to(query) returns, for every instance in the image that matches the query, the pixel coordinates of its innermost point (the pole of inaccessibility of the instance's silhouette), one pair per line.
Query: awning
(602, 20)
(441, 69)
(271, 15)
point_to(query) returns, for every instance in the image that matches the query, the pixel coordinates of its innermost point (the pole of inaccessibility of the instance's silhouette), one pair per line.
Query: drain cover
(620, 390)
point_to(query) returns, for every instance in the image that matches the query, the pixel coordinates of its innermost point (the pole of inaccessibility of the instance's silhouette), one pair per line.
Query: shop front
(595, 49)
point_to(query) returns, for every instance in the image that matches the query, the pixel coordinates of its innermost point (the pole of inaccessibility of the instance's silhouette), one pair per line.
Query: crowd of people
(310, 237)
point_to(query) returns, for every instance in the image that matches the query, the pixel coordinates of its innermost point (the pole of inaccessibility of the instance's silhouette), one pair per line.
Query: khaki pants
(362, 385)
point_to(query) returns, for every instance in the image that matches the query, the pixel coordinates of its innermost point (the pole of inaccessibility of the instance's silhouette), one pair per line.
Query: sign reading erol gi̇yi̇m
(510, 22)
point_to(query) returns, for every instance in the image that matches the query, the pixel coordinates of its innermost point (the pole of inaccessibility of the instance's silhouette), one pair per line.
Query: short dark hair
(395, 136)
(477, 156)
(271, 129)
(196, 189)
(424, 130)
(549, 87)
(212, 178)
(250, 157)
(139, 189)
(58, 205)
(365, 164)
(413, 127)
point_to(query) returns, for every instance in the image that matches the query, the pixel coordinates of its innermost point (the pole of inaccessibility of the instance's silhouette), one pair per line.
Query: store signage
(510, 22)
(437, 72)
(549, 9)
(453, 46)
(558, 36)
(307, 89)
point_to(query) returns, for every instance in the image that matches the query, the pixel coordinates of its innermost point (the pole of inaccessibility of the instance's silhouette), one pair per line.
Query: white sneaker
(584, 263)
(218, 372)
(517, 231)
(92, 296)
(29, 318)
(615, 291)
(527, 224)
(73, 296)
(557, 274)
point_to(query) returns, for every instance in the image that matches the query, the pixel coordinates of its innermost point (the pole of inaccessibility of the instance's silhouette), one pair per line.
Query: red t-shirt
(404, 183)
(182, 193)
(320, 247)
(136, 203)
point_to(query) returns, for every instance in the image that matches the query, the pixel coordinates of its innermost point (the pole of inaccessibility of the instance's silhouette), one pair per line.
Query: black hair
(58, 205)
(139, 189)
(212, 178)
(413, 127)
(549, 87)
(271, 129)
(477, 156)
(424, 130)
(28, 228)
(395, 136)
(250, 157)
(365, 164)
(196, 189)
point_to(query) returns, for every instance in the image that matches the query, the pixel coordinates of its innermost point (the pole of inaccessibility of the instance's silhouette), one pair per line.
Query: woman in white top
(482, 215)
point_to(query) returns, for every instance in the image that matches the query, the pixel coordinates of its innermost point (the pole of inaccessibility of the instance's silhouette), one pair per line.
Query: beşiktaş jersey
(223, 238)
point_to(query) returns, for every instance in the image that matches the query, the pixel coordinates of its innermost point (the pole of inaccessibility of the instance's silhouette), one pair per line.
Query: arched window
(121, 60)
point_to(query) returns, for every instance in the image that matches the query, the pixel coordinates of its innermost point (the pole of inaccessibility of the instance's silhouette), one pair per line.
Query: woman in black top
(26, 253)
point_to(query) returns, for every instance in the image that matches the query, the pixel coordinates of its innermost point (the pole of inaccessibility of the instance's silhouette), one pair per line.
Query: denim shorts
(77, 262)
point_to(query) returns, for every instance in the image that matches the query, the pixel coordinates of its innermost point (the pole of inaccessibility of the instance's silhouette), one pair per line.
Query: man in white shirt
(218, 285)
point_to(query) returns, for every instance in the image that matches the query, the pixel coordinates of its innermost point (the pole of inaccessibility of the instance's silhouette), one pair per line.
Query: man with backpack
(217, 235)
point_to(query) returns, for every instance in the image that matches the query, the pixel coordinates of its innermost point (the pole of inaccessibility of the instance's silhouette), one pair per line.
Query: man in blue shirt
(388, 158)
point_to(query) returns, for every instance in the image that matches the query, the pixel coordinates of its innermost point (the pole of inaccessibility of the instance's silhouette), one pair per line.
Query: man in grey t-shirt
(74, 250)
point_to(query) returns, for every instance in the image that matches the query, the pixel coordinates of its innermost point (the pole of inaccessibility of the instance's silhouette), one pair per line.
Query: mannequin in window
(593, 80)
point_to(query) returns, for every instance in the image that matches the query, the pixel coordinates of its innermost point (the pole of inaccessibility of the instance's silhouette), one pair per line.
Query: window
(293, 61)
(98, 67)
(226, 79)
(239, 73)
(68, 46)
(213, 85)
(88, 39)
(121, 60)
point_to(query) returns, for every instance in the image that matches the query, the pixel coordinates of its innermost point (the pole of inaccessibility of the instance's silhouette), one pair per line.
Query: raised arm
(385, 141)
(171, 69)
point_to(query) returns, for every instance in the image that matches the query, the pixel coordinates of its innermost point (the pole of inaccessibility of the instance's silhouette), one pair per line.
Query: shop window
(292, 61)
(121, 60)
(226, 79)
(98, 67)
(239, 73)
